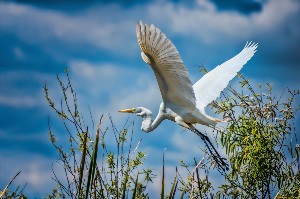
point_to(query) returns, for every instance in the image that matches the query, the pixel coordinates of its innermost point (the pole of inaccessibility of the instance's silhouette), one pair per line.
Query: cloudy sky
(96, 40)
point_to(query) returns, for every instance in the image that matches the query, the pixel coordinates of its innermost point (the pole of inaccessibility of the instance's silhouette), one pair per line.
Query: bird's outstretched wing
(172, 77)
(210, 86)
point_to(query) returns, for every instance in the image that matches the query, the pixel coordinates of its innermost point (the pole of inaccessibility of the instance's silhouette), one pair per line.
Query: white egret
(183, 102)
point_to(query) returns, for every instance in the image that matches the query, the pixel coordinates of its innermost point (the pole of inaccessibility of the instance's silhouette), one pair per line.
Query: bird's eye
(133, 109)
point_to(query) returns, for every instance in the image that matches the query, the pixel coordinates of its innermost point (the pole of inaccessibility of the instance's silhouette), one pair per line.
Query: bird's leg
(219, 160)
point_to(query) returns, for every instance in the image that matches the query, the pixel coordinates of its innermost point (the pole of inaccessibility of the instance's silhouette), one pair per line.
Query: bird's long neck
(149, 124)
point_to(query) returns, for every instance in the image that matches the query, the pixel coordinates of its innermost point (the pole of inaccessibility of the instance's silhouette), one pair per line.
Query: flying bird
(183, 102)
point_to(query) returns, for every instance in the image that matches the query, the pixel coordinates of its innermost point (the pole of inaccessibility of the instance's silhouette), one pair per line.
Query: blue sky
(96, 40)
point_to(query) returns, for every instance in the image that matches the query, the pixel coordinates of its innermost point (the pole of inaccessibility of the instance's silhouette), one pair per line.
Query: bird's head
(139, 111)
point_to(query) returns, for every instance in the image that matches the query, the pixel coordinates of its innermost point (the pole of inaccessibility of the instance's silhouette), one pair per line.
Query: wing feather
(172, 77)
(210, 86)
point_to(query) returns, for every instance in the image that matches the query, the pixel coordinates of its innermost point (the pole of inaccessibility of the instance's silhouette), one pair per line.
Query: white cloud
(206, 23)
(38, 137)
(111, 87)
(16, 101)
(19, 53)
(14, 95)
(96, 26)
(38, 25)
(35, 171)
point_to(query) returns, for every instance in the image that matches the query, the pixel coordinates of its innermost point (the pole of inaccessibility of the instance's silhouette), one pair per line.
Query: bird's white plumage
(173, 79)
(180, 97)
(210, 86)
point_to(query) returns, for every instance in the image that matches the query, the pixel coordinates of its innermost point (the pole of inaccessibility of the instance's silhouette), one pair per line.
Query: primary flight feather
(183, 102)
(210, 86)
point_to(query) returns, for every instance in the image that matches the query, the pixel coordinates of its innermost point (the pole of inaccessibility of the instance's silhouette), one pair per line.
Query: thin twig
(2, 194)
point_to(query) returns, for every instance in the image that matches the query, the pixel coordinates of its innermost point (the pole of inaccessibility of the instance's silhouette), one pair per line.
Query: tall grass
(115, 175)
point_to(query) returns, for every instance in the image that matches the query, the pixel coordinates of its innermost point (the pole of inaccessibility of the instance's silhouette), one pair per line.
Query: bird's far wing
(172, 77)
(210, 86)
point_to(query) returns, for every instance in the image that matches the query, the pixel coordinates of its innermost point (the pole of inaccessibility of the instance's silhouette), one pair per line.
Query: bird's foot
(220, 161)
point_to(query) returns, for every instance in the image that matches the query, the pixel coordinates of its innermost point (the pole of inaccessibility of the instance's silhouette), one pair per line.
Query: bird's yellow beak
(130, 110)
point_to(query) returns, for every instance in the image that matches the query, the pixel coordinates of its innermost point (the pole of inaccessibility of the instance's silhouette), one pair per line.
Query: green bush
(261, 143)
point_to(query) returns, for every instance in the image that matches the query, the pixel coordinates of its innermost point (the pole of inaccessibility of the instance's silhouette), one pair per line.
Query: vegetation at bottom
(259, 137)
